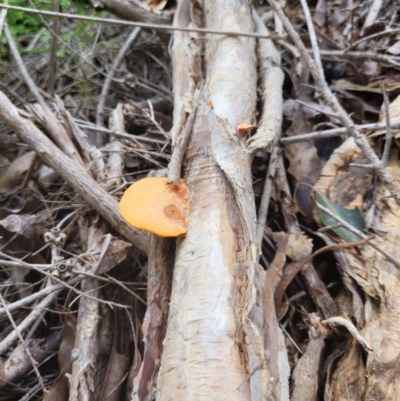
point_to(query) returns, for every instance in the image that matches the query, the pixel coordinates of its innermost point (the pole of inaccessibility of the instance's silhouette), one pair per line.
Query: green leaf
(60, 53)
(45, 34)
(65, 3)
(353, 217)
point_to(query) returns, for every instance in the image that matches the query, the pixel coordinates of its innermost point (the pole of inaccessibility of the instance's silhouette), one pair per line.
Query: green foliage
(21, 23)
(65, 3)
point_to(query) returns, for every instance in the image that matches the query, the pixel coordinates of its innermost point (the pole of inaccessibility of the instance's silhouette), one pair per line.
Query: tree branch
(71, 172)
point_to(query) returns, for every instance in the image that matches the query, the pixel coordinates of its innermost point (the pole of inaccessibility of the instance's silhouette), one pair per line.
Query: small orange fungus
(154, 205)
(244, 128)
(210, 104)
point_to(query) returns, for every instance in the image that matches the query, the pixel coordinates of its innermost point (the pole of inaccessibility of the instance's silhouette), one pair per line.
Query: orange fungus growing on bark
(244, 128)
(154, 205)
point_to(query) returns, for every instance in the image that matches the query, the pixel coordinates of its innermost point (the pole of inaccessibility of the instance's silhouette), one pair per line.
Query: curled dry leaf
(341, 183)
(394, 116)
(19, 363)
(347, 381)
(157, 5)
(319, 16)
(154, 205)
(347, 186)
(339, 321)
(10, 178)
(375, 86)
(383, 334)
(20, 223)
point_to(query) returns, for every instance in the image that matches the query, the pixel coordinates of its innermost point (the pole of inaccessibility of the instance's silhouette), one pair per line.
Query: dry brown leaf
(59, 391)
(394, 116)
(115, 254)
(392, 84)
(319, 16)
(348, 380)
(394, 49)
(341, 183)
(118, 366)
(368, 71)
(341, 13)
(157, 5)
(347, 186)
(383, 379)
(19, 363)
(21, 224)
(15, 170)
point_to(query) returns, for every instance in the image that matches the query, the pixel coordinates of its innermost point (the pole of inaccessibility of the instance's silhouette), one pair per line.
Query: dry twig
(71, 172)
(34, 363)
(354, 230)
(120, 22)
(107, 82)
(389, 135)
(316, 287)
(330, 133)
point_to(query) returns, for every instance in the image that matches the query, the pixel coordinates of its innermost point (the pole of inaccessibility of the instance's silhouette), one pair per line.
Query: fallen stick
(329, 133)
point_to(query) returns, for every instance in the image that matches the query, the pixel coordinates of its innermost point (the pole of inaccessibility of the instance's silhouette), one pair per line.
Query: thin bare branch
(175, 164)
(330, 133)
(37, 295)
(107, 82)
(157, 27)
(389, 134)
(354, 55)
(34, 363)
(10, 339)
(3, 15)
(53, 50)
(266, 195)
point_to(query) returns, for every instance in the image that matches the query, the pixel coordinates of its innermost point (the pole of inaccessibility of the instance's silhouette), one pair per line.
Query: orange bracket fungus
(154, 205)
(244, 128)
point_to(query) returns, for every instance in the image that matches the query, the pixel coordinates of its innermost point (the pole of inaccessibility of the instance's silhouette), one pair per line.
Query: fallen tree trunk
(214, 344)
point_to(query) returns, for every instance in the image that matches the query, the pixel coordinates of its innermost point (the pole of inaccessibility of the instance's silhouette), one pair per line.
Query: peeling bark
(214, 346)
(161, 260)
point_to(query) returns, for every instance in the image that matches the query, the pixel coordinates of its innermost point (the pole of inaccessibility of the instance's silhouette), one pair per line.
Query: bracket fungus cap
(244, 128)
(154, 205)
